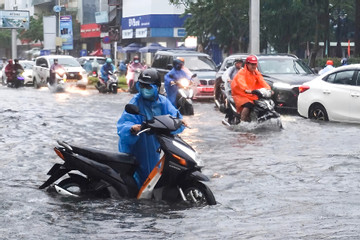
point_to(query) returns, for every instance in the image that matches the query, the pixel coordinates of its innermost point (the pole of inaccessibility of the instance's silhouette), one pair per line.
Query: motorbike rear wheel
(197, 193)
(75, 184)
(219, 96)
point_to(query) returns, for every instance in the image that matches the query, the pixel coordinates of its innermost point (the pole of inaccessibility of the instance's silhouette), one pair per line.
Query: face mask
(136, 61)
(178, 66)
(149, 94)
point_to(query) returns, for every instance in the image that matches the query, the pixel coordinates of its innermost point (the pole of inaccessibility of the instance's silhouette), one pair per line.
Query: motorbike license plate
(71, 80)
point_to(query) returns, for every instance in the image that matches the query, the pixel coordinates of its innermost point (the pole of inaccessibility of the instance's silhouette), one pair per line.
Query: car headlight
(281, 85)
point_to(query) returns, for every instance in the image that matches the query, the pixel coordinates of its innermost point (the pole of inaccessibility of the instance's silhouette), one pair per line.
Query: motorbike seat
(105, 156)
(121, 162)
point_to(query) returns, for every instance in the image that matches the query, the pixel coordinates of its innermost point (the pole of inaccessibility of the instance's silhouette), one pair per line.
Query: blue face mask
(149, 94)
(136, 61)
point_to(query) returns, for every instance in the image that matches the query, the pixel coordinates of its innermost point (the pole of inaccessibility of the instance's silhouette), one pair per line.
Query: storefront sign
(126, 34)
(140, 32)
(90, 30)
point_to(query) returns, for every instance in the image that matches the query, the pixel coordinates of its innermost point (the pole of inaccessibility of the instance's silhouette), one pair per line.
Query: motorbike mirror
(132, 109)
(169, 66)
(194, 75)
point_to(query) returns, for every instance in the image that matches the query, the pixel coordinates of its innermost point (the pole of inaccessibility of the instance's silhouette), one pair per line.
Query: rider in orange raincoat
(246, 80)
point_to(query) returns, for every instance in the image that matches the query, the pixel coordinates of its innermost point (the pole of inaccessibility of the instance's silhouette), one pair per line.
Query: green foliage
(5, 38)
(285, 24)
(35, 31)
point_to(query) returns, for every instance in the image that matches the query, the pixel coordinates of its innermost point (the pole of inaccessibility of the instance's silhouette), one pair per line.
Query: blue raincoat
(143, 147)
(104, 71)
(171, 91)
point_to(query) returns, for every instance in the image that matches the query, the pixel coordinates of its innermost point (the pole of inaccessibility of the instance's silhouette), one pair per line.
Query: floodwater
(298, 183)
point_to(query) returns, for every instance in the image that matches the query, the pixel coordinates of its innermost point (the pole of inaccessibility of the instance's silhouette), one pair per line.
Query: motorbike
(56, 82)
(132, 77)
(18, 80)
(185, 95)
(110, 86)
(263, 110)
(177, 176)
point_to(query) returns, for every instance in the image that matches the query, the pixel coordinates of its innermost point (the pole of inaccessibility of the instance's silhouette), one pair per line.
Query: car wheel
(318, 112)
(36, 85)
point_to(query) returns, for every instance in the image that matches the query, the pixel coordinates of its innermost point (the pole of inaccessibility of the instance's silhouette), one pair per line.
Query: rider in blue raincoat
(108, 66)
(170, 79)
(150, 104)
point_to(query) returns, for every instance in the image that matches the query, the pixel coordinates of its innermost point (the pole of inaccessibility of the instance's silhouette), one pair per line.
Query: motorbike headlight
(191, 153)
(60, 71)
(281, 85)
(184, 82)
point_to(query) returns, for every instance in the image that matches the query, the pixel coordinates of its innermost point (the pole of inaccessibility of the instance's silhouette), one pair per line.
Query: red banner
(90, 30)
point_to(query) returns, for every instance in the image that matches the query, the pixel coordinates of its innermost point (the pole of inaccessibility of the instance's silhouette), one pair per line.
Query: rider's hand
(248, 91)
(135, 129)
(184, 123)
(172, 83)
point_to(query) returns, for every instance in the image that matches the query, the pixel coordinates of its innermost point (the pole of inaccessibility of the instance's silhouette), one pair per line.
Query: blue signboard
(107, 51)
(83, 52)
(66, 32)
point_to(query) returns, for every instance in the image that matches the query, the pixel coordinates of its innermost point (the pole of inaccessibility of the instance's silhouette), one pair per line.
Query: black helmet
(150, 76)
(238, 60)
(178, 63)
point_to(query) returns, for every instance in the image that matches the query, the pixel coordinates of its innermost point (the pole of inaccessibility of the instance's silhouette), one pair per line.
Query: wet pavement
(298, 183)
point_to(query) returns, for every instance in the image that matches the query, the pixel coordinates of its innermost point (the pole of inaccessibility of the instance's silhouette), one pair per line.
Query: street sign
(57, 8)
(106, 39)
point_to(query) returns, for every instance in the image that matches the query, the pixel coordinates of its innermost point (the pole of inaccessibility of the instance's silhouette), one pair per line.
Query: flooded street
(299, 183)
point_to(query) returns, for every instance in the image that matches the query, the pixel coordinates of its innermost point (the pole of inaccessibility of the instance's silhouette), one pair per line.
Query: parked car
(75, 74)
(334, 96)
(27, 74)
(33, 53)
(283, 72)
(198, 63)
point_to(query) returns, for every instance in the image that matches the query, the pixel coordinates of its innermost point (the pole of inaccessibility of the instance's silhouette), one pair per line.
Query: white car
(74, 73)
(27, 74)
(333, 96)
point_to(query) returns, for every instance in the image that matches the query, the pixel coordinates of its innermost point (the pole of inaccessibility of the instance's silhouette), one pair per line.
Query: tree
(224, 21)
(35, 31)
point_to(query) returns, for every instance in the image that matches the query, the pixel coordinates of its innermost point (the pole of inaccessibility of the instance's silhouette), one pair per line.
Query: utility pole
(254, 26)
(14, 38)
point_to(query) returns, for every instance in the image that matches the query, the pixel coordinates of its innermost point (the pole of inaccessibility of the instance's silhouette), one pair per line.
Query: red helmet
(329, 62)
(251, 59)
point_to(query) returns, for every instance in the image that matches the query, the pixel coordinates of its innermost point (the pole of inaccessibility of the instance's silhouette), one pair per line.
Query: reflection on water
(298, 183)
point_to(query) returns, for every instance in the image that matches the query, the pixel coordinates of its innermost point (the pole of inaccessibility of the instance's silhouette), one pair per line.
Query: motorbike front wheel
(199, 194)
(114, 89)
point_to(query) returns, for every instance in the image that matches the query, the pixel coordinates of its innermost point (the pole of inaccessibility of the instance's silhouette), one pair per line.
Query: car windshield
(283, 66)
(27, 65)
(199, 63)
(67, 62)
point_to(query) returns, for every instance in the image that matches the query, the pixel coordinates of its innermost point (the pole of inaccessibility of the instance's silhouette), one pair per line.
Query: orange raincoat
(246, 80)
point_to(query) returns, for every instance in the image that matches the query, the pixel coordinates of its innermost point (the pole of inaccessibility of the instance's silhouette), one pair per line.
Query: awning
(152, 48)
(131, 48)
